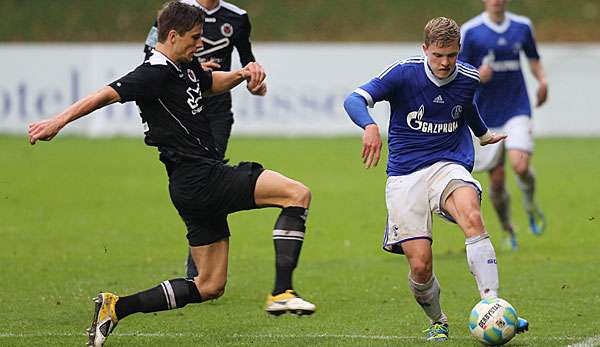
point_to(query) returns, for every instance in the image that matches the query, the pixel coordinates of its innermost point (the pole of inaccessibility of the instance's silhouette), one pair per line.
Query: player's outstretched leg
(288, 236)
(274, 189)
(110, 309)
(104, 320)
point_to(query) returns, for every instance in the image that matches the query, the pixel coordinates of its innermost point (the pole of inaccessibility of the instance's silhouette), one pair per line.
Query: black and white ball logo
(227, 30)
(457, 112)
(191, 75)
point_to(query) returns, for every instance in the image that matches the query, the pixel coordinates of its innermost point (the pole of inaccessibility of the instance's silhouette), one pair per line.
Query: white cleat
(104, 321)
(290, 302)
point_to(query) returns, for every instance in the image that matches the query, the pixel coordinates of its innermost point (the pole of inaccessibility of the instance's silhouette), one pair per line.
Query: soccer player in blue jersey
(429, 163)
(493, 41)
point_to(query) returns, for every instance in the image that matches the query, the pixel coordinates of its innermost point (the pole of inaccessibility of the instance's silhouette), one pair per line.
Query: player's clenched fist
(255, 75)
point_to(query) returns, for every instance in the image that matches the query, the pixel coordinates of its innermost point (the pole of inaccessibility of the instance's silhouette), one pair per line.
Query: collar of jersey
(499, 28)
(159, 58)
(435, 80)
(208, 12)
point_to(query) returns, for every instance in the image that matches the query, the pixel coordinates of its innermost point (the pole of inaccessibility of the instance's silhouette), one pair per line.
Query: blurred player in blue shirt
(493, 41)
(430, 159)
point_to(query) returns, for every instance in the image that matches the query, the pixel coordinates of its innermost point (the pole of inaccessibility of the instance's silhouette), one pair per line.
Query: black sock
(166, 296)
(288, 236)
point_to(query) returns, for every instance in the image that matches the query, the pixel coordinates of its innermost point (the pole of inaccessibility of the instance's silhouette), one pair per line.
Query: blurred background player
(168, 89)
(429, 162)
(225, 26)
(493, 41)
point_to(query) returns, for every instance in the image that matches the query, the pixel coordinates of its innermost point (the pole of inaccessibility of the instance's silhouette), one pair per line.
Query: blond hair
(441, 31)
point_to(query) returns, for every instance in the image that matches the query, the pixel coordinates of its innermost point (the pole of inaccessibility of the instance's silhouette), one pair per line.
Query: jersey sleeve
(529, 45)
(151, 40)
(142, 83)
(242, 42)
(474, 120)
(383, 86)
(205, 80)
(467, 53)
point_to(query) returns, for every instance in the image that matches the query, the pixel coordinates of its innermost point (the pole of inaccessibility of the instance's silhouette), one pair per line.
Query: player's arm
(252, 73)
(242, 43)
(45, 130)
(356, 107)
(530, 50)
(479, 128)
(538, 72)
(244, 47)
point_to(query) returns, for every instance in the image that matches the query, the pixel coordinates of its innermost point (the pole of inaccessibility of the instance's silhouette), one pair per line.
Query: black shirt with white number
(225, 27)
(170, 102)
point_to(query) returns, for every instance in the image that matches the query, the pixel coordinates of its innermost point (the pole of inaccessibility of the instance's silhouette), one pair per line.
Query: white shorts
(520, 136)
(412, 199)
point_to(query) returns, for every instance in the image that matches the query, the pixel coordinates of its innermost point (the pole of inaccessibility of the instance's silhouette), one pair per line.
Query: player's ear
(425, 48)
(171, 36)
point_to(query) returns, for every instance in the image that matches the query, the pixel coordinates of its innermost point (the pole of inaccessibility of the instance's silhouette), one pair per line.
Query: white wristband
(485, 137)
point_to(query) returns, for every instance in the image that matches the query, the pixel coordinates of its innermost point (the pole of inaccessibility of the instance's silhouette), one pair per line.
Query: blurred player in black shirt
(169, 88)
(225, 26)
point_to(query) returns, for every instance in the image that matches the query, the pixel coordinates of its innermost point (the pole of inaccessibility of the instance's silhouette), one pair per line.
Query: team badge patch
(457, 111)
(227, 30)
(192, 75)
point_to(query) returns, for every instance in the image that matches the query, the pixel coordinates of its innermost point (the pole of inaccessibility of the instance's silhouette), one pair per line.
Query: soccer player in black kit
(203, 189)
(225, 26)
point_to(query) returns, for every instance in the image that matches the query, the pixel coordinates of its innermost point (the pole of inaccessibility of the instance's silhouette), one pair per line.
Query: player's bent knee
(521, 168)
(299, 195)
(421, 272)
(212, 291)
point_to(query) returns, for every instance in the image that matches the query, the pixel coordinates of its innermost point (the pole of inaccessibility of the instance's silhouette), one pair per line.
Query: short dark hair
(441, 31)
(178, 16)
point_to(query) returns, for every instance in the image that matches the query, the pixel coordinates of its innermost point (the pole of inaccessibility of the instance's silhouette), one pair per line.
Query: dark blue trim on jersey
(356, 107)
(396, 247)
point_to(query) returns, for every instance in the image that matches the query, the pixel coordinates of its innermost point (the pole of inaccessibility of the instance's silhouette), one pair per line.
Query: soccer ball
(493, 321)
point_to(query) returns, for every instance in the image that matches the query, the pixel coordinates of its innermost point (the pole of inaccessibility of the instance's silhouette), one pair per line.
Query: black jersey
(170, 101)
(225, 27)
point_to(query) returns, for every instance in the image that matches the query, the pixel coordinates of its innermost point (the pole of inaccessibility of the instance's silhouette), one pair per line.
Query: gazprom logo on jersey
(415, 121)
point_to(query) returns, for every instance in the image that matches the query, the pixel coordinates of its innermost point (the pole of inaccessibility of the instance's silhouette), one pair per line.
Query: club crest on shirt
(227, 30)
(457, 112)
(191, 75)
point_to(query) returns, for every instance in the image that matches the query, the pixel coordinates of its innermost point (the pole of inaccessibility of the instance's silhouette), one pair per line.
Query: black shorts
(205, 191)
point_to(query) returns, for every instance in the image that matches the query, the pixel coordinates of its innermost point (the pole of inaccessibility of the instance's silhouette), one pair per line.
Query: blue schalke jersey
(427, 123)
(500, 45)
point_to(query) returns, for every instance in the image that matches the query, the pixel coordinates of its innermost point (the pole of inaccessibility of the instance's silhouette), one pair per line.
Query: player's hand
(490, 138)
(44, 130)
(485, 73)
(260, 90)
(210, 65)
(254, 74)
(371, 150)
(542, 93)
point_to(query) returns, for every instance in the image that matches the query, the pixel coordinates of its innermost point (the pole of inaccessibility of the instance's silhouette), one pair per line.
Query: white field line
(591, 342)
(587, 343)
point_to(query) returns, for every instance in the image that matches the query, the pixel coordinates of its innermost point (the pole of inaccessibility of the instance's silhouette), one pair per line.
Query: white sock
(527, 186)
(428, 296)
(482, 263)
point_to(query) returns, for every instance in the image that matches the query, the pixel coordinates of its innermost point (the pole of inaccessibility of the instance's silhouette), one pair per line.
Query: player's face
(442, 60)
(495, 6)
(186, 45)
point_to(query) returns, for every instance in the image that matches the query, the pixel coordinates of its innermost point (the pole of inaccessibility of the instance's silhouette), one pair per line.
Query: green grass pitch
(78, 216)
